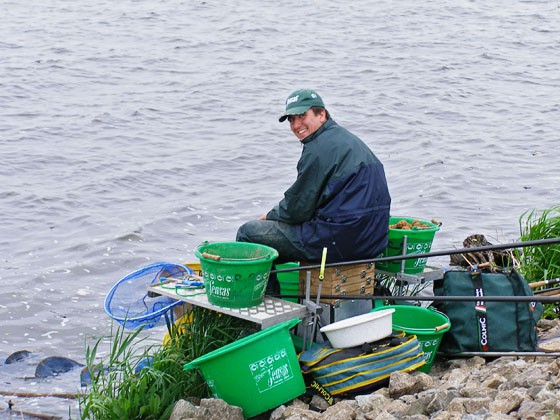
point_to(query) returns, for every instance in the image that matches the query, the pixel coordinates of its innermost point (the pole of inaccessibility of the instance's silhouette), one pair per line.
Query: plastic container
(427, 324)
(289, 281)
(357, 330)
(256, 373)
(418, 241)
(235, 273)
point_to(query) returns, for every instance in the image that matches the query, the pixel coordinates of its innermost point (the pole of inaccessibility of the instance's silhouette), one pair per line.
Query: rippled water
(132, 131)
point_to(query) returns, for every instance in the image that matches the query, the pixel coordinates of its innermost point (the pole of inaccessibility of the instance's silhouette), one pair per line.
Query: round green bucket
(289, 280)
(256, 373)
(418, 241)
(428, 325)
(235, 273)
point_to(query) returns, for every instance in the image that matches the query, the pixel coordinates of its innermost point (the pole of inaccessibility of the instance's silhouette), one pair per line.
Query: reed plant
(542, 262)
(140, 381)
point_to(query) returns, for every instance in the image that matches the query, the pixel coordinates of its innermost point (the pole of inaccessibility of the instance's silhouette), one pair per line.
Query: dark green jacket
(340, 198)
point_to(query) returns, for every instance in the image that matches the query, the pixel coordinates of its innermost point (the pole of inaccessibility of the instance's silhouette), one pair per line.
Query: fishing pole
(549, 241)
(549, 299)
(500, 354)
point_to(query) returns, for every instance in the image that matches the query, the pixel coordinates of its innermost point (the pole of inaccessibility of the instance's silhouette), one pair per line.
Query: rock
(494, 381)
(319, 403)
(219, 410)
(344, 410)
(531, 410)
(507, 401)
(299, 413)
(440, 400)
(402, 383)
(55, 365)
(185, 410)
(372, 402)
(17, 356)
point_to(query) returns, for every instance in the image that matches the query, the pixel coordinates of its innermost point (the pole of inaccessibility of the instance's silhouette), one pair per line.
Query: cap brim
(294, 111)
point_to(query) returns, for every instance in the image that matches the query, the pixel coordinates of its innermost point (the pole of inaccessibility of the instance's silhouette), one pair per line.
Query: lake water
(132, 131)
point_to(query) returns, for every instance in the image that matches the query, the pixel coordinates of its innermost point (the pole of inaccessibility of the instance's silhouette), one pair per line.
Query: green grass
(540, 262)
(140, 381)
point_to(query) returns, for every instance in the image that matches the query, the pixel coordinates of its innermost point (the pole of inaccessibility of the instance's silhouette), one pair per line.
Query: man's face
(303, 125)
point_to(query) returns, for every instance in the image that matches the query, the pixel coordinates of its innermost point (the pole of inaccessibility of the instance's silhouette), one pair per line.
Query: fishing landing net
(129, 302)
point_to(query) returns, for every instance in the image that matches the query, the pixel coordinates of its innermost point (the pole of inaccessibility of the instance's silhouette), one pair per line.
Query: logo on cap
(292, 100)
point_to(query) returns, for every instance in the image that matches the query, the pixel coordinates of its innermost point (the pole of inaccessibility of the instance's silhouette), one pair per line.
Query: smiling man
(339, 200)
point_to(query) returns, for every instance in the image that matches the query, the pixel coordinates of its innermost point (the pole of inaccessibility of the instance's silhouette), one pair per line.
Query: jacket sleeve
(301, 200)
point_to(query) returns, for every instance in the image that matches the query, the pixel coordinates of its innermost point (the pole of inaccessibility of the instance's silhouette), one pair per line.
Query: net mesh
(129, 302)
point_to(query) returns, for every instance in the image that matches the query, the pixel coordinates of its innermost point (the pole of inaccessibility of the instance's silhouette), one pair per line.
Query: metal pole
(539, 242)
(500, 354)
(548, 299)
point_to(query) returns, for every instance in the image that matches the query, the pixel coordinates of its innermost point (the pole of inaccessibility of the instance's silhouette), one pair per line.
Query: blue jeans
(278, 235)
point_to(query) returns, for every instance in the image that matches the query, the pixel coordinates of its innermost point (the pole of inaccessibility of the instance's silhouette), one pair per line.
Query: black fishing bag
(355, 370)
(492, 326)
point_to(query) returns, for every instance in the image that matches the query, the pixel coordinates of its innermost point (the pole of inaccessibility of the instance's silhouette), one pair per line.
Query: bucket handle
(219, 258)
(436, 329)
(442, 327)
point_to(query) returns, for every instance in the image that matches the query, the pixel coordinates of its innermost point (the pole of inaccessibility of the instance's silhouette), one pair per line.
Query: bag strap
(322, 392)
(480, 309)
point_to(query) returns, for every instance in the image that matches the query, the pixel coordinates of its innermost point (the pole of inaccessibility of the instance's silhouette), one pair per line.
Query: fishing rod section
(522, 244)
(545, 299)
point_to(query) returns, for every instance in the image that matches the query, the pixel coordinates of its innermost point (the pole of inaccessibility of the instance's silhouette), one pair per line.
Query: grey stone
(344, 410)
(531, 410)
(298, 413)
(401, 383)
(456, 378)
(218, 410)
(440, 400)
(185, 410)
(372, 402)
(383, 415)
(508, 401)
(319, 403)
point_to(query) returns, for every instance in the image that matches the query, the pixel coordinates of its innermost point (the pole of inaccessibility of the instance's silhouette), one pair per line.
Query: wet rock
(55, 365)
(17, 356)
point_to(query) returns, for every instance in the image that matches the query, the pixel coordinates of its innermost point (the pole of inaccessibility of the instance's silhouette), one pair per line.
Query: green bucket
(289, 281)
(256, 373)
(418, 241)
(428, 325)
(235, 273)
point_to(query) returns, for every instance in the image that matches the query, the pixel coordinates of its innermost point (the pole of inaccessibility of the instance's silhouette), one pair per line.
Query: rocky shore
(468, 389)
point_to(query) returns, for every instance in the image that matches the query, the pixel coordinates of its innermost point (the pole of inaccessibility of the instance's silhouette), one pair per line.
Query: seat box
(345, 280)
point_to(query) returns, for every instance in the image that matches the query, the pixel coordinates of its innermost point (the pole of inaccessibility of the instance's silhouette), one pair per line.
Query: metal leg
(313, 311)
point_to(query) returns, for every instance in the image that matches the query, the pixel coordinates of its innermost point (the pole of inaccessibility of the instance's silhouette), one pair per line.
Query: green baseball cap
(300, 101)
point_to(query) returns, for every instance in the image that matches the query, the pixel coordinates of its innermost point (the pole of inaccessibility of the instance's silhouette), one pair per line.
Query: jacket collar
(326, 125)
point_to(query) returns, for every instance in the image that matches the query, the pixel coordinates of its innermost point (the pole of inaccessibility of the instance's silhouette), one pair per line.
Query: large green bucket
(418, 241)
(428, 325)
(256, 373)
(235, 273)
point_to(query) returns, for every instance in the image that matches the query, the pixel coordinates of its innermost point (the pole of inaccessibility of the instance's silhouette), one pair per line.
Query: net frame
(131, 304)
